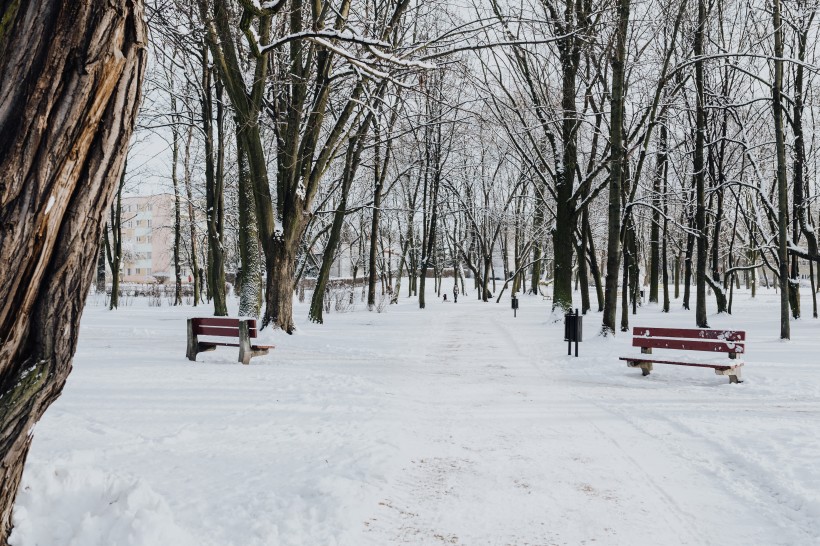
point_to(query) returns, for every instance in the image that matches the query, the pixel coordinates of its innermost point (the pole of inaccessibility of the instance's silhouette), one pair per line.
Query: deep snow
(457, 424)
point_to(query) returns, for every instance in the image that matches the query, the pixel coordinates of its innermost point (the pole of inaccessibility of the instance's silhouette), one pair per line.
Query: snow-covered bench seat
(681, 339)
(242, 328)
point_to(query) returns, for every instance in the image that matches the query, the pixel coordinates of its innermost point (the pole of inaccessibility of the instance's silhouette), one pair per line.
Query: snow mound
(81, 506)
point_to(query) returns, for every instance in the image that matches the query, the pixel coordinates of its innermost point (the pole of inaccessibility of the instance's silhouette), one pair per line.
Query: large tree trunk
(177, 213)
(782, 182)
(664, 249)
(801, 205)
(700, 170)
(616, 180)
(67, 107)
(195, 274)
(214, 188)
(655, 230)
(250, 281)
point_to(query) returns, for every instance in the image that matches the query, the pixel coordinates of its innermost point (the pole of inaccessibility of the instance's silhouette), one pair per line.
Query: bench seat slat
(691, 333)
(222, 326)
(222, 321)
(688, 345)
(695, 364)
(221, 344)
(219, 332)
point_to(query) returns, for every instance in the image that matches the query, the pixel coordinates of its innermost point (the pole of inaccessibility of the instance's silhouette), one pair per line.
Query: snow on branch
(344, 36)
(352, 58)
(265, 9)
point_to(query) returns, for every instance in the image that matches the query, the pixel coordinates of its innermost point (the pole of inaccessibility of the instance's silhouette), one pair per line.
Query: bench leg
(645, 367)
(245, 352)
(734, 375)
(193, 342)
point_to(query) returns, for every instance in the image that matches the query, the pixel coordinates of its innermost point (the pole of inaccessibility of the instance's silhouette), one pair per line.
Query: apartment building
(148, 238)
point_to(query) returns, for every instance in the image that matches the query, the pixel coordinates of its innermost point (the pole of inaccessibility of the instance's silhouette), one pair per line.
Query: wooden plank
(222, 326)
(693, 333)
(216, 331)
(677, 363)
(217, 321)
(689, 345)
(223, 321)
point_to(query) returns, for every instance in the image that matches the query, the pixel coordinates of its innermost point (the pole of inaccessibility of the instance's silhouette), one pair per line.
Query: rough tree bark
(782, 182)
(189, 197)
(700, 170)
(214, 187)
(616, 180)
(177, 214)
(250, 280)
(70, 77)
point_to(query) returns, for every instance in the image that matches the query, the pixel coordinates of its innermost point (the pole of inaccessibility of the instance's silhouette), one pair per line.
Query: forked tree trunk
(67, 108)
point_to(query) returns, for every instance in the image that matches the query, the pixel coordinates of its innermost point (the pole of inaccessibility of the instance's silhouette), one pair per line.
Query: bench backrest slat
(221, 327)
(715, 346)
(690, 333)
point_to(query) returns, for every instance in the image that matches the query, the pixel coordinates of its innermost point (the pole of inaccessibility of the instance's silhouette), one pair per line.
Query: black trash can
(573, 330)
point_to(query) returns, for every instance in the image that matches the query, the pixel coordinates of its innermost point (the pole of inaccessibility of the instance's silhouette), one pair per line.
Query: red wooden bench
(242, 328)
(731, 342)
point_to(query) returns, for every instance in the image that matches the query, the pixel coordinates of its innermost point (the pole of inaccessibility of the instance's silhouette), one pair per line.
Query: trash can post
(577, 331)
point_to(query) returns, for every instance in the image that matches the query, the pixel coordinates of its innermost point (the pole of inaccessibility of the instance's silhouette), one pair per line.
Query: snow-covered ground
(457, 424)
